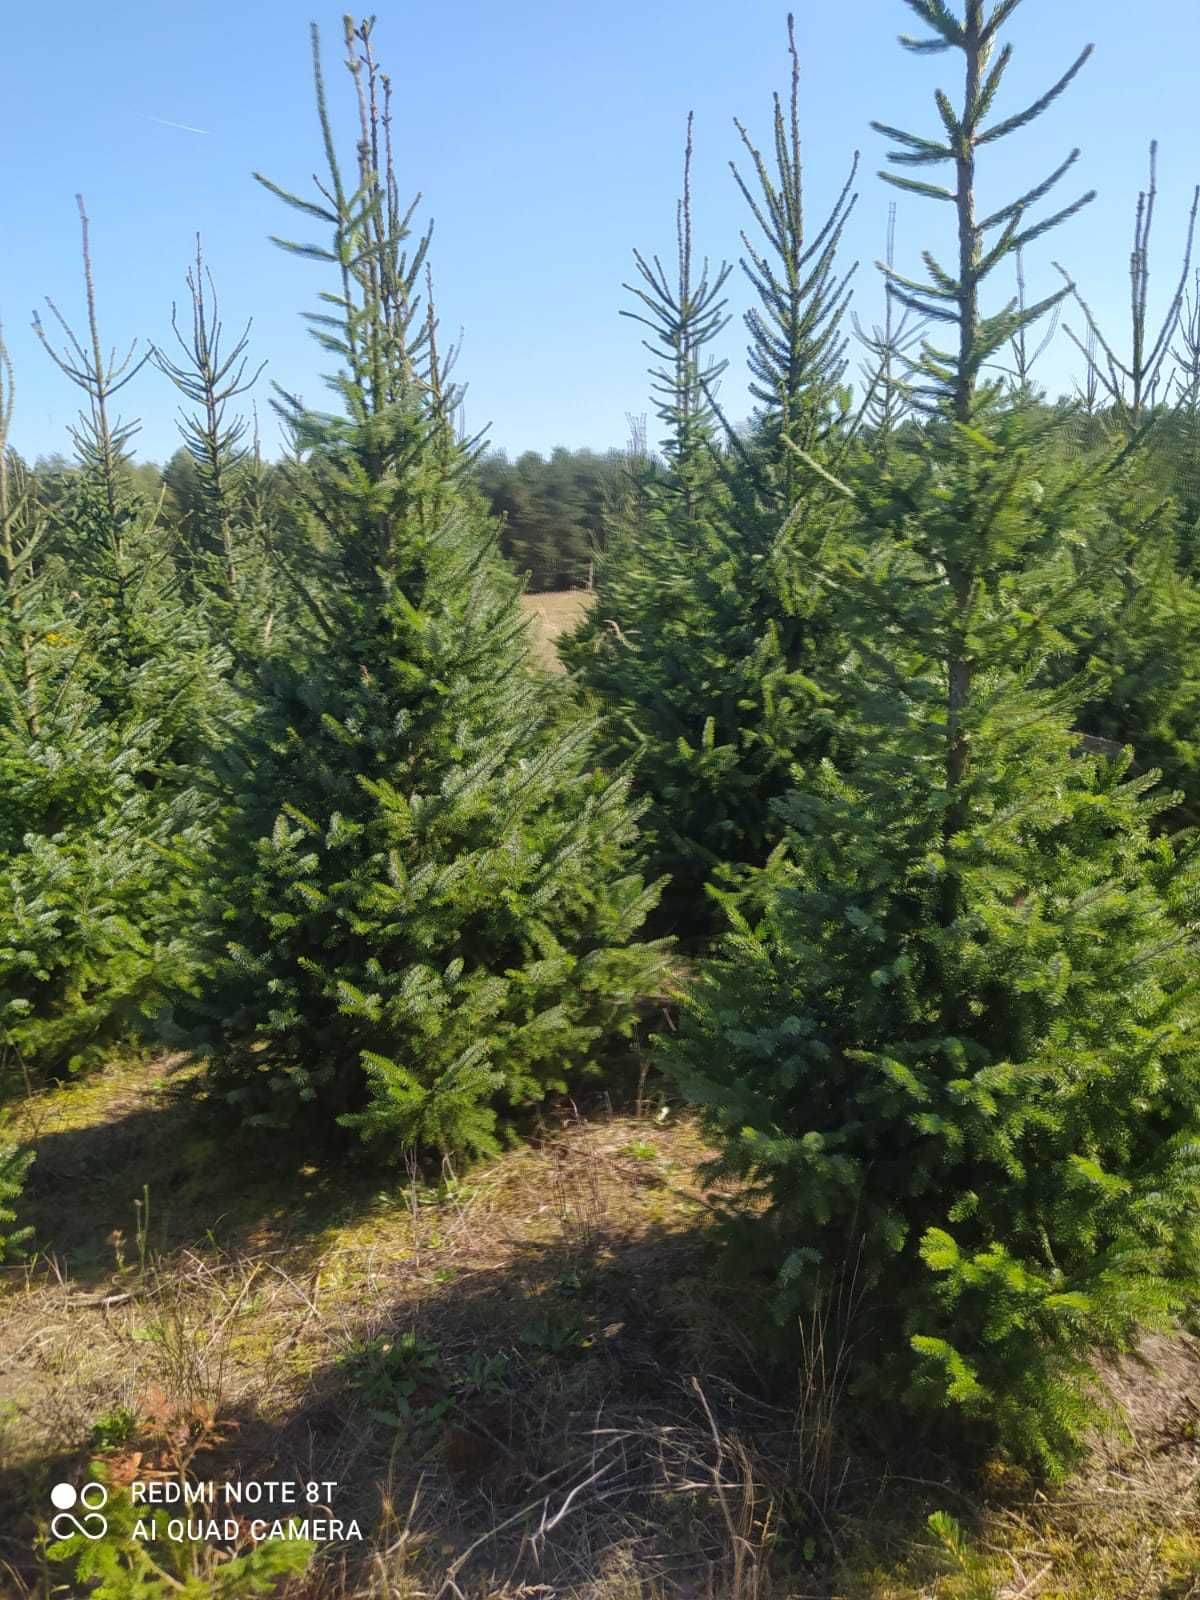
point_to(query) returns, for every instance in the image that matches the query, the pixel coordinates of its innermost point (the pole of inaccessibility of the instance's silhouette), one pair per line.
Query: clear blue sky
(546, 136)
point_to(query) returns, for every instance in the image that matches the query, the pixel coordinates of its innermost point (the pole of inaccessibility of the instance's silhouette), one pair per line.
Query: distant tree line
(554, 510)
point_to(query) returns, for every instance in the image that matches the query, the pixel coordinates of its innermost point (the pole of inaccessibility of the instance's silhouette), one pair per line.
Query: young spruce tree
(1145, 629)
(150, 661)
(120, 689)
(666, 648)
(706, 627)
(223, 558)
(956, 1056)
(423, 906)
(95, 819)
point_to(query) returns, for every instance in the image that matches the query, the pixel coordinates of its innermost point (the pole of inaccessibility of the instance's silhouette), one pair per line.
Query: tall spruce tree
(424, 911)
(706, 627)
(956, 1054)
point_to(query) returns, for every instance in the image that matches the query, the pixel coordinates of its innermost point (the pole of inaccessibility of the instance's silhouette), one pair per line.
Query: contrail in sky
(183, 127)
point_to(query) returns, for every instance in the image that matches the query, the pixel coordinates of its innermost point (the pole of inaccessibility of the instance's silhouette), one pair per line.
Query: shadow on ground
(529, 1379)
(154, 1180)
(578, 1412)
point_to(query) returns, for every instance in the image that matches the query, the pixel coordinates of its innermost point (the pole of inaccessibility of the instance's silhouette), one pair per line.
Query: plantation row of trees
(289, 785)
(910, 686)
(886, 712)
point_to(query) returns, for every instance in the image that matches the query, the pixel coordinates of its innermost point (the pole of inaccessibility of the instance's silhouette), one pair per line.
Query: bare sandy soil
(554, 613)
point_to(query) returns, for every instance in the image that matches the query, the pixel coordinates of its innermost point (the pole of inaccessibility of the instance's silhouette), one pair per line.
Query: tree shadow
(154, 1175)
(155, 1172)
(593, 1411)
(566, 1417)
(547, 1385)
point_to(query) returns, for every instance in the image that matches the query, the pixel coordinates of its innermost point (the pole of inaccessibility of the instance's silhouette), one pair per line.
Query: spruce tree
(955, 1053)
(423, 910)
(706, 626)
(14, 1168)
(1145, 630)
(107, 693)
(84, 923)
(151, 661)
(224, 564)
(663, 648)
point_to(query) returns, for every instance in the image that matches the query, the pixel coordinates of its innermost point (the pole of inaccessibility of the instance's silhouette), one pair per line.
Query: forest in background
(714, 1113)
(553, 510)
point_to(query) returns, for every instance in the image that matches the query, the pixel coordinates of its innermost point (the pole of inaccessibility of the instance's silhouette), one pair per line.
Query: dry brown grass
(227, 1315)
(552, 614)
(591, 1423)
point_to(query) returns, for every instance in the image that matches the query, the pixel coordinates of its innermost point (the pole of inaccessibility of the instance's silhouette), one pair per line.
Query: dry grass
(588, 1420)
(551, 615)
(230, 1310)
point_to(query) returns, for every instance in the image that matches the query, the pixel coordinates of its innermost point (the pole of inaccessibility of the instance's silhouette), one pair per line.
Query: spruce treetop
(683, 317)
(374, 325)
(1134, 385)
(397, 432)
(949, 297)
(101, 440)
(797, 354)
(210, 377)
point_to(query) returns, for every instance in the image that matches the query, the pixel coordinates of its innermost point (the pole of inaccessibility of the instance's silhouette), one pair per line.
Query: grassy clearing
(525, 1380)
(551, 615)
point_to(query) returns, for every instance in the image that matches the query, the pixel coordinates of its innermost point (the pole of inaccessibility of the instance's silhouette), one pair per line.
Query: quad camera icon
(90, 1500)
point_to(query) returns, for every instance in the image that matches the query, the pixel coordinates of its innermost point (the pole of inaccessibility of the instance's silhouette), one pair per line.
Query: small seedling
(112, 1429)
(486, 1374)
(399, 1379)
(966, 1562)
(142, 1210)
(556, 1335)
(574, 1281)
(640, 1150)
(450, 1191)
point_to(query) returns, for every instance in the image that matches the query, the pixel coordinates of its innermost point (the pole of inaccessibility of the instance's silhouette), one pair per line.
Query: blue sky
(546, 137)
